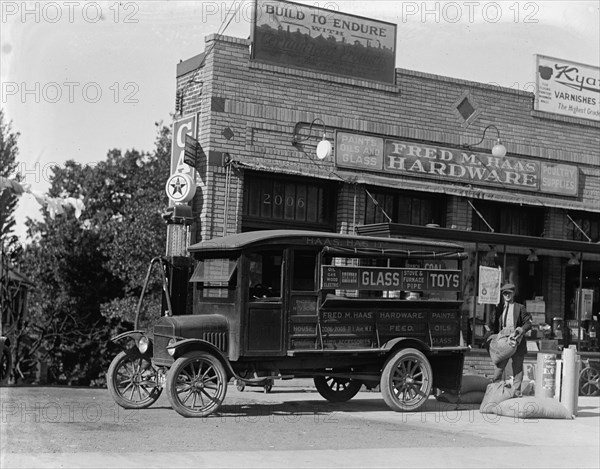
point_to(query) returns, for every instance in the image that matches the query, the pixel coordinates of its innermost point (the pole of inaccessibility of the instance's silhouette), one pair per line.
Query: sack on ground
(448, 397)
(530, 407)
(471, 397)
(495, 394)
(502, 347)
(474, 383)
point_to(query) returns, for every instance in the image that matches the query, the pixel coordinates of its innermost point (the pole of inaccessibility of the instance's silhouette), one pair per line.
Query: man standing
(515, 317)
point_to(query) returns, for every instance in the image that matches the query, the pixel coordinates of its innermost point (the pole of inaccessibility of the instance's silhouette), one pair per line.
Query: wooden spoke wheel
(132, 381)
(336, 389)
(589, 382)
(197, 384)
(406, 380)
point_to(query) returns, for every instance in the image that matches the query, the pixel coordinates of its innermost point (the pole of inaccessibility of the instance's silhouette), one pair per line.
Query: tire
(196, 384)
(589, 382)
(406, 381)
(132, 381)
(5, 365)
(336, 389)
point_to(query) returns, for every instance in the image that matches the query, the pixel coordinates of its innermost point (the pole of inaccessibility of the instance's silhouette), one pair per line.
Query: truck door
(265, 319)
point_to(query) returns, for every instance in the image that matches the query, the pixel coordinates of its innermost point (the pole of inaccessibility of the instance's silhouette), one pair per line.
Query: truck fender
(133, 335)
(405, 342)
(191, 345)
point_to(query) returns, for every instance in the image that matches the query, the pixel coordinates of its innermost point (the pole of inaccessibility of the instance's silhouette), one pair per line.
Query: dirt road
(293, 426)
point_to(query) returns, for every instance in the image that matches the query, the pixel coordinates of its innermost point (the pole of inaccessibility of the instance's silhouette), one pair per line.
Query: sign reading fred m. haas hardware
(567, 88)
(291, 34)
(390, 156)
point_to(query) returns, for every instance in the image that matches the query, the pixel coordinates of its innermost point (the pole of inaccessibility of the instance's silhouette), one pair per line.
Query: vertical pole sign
(180, 188)
(181, 185)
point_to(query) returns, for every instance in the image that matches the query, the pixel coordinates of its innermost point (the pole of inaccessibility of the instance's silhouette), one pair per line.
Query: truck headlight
(171, 351)
(143, 344)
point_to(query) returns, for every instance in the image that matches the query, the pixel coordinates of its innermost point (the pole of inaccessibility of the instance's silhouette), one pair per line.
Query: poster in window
(489, 285)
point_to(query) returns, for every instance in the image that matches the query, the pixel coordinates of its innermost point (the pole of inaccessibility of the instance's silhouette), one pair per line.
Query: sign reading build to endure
(389, 278)
(567, 88)
(368, 153)
(302, 36)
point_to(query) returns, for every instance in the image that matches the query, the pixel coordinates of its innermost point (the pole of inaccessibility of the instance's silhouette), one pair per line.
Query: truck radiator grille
(218, 339)
(160, 347)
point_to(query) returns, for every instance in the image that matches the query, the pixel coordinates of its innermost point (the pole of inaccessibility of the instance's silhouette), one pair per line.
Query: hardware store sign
(567, 88)
(397, 157)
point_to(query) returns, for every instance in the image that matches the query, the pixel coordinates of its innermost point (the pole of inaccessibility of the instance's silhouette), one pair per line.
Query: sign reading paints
(391, 156)
(567, 88)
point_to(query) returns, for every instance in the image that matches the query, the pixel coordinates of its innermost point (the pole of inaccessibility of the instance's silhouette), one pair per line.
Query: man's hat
(508, 287)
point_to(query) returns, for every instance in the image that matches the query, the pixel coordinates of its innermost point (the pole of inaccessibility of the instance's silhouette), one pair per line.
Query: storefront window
(509, 219)
(404, 207)
(588, 222)
(271, 201)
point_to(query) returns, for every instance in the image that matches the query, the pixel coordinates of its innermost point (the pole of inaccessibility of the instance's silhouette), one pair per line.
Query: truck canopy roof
(332, 242)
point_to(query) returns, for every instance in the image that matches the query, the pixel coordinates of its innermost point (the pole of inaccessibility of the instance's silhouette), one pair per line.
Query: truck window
(303, 276)
(265, 274)
(216, 278)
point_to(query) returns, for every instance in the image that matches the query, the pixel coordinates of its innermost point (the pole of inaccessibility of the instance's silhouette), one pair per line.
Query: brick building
(259, 126)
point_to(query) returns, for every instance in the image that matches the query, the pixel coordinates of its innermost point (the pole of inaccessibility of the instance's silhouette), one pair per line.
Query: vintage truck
(344, 310)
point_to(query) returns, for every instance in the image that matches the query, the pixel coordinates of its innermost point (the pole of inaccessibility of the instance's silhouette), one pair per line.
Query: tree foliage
(8, 165)
(89, 271)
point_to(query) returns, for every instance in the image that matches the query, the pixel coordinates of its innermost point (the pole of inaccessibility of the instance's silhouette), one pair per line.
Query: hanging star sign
(180, 187)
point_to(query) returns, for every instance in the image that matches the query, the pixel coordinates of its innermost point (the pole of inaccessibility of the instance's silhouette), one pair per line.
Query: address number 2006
(279, 200)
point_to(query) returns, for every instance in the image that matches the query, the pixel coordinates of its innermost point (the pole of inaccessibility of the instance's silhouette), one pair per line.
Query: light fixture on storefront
(532, 257)
(323, 147)
(498, 150)
(574, 259)
(492, 253)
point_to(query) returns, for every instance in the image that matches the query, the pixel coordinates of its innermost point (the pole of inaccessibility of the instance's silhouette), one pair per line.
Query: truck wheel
(337, 389)
(132, 381)
(196, 384)
(406, 380)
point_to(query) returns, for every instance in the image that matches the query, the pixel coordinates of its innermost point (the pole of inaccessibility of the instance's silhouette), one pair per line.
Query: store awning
(469, 191)
(318, 170)
(453, 235)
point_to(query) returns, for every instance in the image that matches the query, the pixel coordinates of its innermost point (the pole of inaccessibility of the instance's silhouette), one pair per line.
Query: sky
(80, 78)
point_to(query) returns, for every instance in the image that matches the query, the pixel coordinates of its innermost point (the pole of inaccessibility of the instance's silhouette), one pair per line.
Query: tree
(89, 270)
(8, 165)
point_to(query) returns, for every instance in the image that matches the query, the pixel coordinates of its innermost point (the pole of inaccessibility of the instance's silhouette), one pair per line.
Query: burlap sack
(502, 346)
(495, 394)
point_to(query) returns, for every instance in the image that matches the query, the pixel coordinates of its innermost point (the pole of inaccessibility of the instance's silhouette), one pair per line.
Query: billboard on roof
(295, 35)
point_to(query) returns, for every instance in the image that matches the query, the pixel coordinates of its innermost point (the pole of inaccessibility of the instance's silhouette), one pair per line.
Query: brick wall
(248, 110)
(478, 362)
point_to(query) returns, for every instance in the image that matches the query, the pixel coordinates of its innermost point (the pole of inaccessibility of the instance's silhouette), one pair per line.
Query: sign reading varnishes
(390, 156)
(302, 36)
(567, 88)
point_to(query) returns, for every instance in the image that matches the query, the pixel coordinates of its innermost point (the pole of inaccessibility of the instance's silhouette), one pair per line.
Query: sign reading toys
(567, 88)
(391, 156)
(295, 35)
